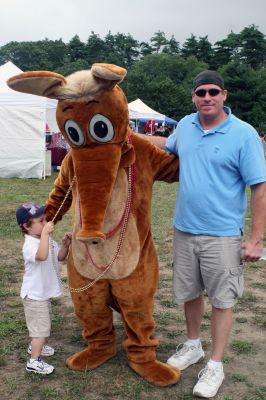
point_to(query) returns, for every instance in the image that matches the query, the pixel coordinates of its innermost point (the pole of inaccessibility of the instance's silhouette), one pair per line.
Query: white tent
(23, 119)
(139, 110)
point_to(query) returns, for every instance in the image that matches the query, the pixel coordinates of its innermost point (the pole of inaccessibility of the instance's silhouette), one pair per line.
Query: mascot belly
(106, 178)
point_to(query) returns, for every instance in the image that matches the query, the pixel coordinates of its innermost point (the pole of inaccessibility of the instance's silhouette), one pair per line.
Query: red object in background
(149, 127)
(58, 147)
(58, 154)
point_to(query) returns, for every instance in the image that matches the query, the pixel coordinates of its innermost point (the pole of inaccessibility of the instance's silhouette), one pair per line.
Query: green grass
(15, 191)
(114, 380)
(239, 378)
(243, 347)
(241, 320)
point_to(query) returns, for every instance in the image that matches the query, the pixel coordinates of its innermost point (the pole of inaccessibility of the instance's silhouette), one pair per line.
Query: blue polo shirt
(215, 168)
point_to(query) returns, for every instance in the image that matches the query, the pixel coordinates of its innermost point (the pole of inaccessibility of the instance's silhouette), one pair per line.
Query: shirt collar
(221, 128)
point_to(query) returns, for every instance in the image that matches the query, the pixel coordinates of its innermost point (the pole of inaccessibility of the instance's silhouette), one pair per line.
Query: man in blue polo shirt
(219, 156)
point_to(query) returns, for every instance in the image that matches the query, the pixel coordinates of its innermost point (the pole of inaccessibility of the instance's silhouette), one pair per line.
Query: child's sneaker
(38, 366)
(46, 350)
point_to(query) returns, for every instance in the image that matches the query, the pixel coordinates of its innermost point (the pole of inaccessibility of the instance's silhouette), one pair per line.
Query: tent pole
(44, 158)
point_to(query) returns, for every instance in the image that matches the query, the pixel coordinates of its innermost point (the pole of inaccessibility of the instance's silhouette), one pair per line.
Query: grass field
(245, 357)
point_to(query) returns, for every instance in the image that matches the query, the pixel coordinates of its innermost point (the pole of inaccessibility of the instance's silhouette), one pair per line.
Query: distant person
(219, 156)
(41, 280)
(166, 131)
(149, 127)
(132, 126)
(159, 130)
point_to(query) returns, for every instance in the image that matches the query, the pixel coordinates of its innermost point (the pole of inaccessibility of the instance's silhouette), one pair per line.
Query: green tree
(76, 49)
(145, 49)
(253, 43)
(226, 50)
(40, 55)
(172, 46)
(56, 53)
(95, 48)
(242, 83)
(127, 48)
(71, 67)
(121, 49)
(158, 41)
(204, 50)
(261, 77)
(190, 47)
(111, 55)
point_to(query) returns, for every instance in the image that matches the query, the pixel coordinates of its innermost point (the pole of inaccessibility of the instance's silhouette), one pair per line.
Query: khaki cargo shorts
(38, 317)
(207, 262)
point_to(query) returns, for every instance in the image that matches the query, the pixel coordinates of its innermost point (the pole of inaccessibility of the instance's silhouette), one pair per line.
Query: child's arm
(66, 241)
(43, 249)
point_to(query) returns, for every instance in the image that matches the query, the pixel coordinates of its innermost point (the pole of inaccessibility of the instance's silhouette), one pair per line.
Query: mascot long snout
(95, 170)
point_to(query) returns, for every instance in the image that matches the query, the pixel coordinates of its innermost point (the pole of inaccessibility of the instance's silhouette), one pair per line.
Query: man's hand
(252, 250)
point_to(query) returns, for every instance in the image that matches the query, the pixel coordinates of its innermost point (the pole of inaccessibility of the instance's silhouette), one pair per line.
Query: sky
(32, 20)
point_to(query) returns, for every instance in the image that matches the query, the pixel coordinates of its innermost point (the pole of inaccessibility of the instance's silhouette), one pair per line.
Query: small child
(41, 280)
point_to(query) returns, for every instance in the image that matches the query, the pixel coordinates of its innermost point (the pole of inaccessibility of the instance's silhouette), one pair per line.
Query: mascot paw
(89, 358)
(156, 372)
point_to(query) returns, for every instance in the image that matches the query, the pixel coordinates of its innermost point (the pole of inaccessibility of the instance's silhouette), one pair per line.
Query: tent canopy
(23, 119)
(140, 111)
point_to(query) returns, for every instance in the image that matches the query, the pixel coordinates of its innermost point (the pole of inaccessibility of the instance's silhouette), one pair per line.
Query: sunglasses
(203, 92)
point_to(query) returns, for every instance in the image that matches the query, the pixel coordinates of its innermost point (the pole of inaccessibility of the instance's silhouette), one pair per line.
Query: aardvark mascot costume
(106, 178)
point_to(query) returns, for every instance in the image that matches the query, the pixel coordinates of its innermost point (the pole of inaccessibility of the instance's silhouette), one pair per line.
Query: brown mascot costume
(106, 178)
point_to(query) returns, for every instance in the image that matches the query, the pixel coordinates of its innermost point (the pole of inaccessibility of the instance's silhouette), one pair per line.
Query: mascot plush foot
(155, 372)
(90, 358)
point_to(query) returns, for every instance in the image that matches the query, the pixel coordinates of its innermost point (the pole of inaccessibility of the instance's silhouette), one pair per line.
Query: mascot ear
(77, 85)
(108, 74)
(41, 83)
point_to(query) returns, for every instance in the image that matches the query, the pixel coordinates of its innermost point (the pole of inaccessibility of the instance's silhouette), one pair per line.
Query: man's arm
(158, 141)
(253, 246)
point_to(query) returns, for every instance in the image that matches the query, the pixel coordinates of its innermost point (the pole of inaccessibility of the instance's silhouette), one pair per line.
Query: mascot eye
(101, 128)
(74, 133)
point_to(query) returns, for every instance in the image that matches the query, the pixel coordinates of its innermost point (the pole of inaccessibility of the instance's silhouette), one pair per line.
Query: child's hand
(48, 228)
(66, 241)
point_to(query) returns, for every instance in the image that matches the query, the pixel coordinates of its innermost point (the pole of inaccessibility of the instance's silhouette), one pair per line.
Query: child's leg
(38, 321)
(36, 346)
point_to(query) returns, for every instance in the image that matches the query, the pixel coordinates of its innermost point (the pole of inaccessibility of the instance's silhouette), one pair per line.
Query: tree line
(160, 71)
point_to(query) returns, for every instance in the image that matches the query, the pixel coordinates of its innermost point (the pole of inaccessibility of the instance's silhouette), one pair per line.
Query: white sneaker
(46, 350)
(210, 379)
(38, 366)
(186, 356)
